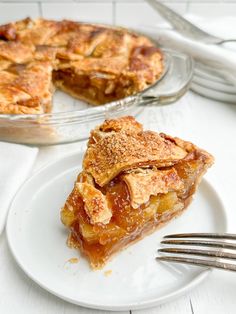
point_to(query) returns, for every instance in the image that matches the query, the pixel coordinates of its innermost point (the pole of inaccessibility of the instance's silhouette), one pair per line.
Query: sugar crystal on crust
(119, 151)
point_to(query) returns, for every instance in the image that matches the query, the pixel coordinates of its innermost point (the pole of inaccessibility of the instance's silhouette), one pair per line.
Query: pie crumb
(73, 260)
(108, 273)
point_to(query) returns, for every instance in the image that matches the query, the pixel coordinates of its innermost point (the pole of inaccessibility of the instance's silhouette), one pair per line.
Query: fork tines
(212, 256)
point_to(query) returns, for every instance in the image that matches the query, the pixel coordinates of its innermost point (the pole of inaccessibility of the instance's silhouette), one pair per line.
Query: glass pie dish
(75, 122)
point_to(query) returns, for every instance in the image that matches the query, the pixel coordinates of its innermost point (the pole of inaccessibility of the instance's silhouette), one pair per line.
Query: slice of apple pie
(133, 182)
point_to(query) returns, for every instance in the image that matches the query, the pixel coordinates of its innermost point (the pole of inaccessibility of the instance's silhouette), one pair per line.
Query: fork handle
(223, 41)
(198, 262)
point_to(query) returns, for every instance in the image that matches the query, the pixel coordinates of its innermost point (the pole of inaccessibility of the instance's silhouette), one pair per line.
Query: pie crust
(132, 182)
(91, 62)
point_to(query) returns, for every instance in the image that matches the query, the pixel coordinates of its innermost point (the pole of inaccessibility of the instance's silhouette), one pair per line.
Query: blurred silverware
(185, 27)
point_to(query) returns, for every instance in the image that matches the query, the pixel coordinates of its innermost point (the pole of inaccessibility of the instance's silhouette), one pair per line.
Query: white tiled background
(123, 12)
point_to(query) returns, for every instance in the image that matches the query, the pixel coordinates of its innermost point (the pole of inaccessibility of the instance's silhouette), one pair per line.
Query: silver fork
(215, 256)
(185, 27)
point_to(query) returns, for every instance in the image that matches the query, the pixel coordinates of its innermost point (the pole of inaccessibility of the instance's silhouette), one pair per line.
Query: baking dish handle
(174, 84)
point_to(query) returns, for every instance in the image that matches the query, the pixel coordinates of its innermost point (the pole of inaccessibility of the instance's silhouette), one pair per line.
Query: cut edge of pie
(132, 183)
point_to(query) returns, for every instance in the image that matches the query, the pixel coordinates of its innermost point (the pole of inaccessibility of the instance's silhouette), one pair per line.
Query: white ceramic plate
(212, 93)
(37, 240)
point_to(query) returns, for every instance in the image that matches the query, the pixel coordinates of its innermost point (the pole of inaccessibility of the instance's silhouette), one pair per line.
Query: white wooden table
(209, 124)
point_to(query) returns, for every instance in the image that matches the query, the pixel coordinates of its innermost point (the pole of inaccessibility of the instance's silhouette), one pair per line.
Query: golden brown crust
(127, 124)
(15, 101)
(7, 77)
(93, 63)
(36, 31)
(95, 203)
(35, 80)
(26, 89)
(191, 148)
(143, 183)
(118, 151)
(16, 52)
(8, 31)
(85, 177)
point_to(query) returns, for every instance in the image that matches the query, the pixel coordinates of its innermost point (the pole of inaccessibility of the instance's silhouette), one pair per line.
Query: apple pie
(132, 183)
(91, 62)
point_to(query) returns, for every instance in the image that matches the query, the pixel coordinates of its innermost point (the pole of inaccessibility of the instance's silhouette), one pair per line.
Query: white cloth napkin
(16, 162)
(221, 58)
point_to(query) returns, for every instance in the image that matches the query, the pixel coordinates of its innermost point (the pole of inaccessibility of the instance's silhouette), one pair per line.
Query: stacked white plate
(209, 83)
(213, 76)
